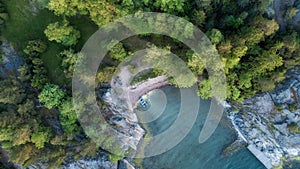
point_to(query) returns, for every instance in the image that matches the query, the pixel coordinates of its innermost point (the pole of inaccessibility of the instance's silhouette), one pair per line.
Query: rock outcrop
(278, 10)
(124, 121)
(98, 163)
(11, 60)
(124, 164)
(270, 122)
(91, 164)
(121, 99)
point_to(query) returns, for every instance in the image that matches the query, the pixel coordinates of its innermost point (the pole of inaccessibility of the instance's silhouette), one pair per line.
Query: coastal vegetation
(37, 120)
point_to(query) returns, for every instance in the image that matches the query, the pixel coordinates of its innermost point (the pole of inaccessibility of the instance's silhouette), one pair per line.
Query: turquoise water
(189, 154)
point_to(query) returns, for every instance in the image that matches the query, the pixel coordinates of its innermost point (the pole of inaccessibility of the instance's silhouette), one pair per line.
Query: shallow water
(189, 154)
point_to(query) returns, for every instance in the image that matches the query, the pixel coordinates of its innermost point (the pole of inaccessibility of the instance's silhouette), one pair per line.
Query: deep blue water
(189, 154)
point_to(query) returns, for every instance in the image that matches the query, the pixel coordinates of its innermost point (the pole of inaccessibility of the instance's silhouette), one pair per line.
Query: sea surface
(189, 154)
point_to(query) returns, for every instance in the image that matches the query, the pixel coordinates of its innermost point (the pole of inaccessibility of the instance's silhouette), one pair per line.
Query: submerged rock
(233, 147)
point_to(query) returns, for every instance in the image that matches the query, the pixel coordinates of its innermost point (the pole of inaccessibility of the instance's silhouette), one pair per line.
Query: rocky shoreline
(263, 123)
(120, 100)
(269, 122)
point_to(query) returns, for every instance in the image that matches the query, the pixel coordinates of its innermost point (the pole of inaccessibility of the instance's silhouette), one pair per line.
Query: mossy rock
(279, 108)
(114, 158)
(293, 107)
(293, 127)
(235, 111)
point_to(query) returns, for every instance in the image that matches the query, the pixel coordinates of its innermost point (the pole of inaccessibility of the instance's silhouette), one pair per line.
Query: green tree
(290, 13)
(118, 52)
(51, 96)
(25, 107)
(239, 51)
(266, 62)
(67, 7)
(199, 18)
(40, 137)
(11, 91)
(293, 60)
(266, 25)
(195, 63)
(170, 5)
(243, 3)
(25, 74)
(266, 85)
(251, 35)
(68, 118)
(232, 21)
(23, 153)
(69, 58)
(215, 36)
(205, 5)
(245, 79)
(105, 75)
(62, 32)
(205, 90)
(102, 12)
(224, 48)
(35, 47)
(291, 41)
(22, 135)
(233, 92)
(38, 81)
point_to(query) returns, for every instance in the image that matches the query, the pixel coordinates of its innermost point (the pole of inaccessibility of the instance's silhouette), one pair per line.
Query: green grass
(143, 76)
(114, 158)
(23, 26)
(52, 64)
(86, 28)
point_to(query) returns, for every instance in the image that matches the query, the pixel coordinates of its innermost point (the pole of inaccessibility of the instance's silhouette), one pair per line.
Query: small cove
(189, 154)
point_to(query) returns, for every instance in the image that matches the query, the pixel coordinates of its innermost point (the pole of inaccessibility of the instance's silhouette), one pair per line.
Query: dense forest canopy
(37, 119)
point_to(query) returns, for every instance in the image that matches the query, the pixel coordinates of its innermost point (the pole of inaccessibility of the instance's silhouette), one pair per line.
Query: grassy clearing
(86, 28)
(23, 26)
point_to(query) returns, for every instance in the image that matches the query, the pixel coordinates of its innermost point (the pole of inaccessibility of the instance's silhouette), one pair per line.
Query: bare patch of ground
(132, 93)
